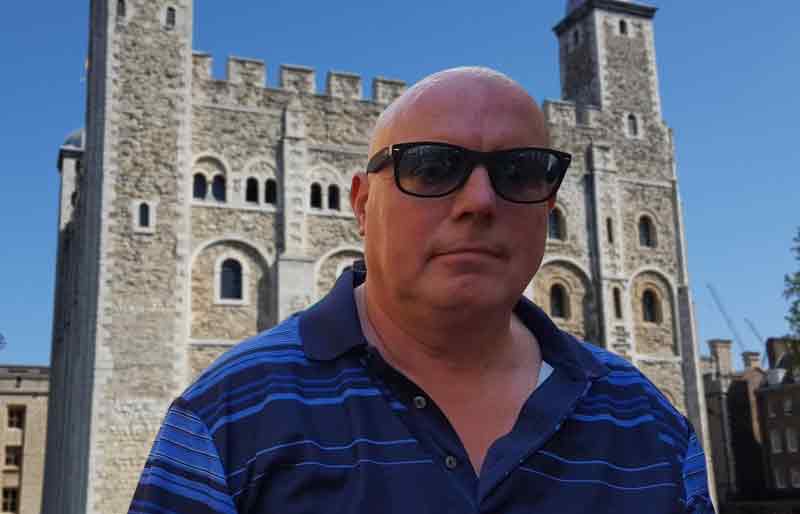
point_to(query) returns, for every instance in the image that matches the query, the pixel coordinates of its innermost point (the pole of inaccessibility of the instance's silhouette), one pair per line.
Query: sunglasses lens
(526, 175)
(430, 170)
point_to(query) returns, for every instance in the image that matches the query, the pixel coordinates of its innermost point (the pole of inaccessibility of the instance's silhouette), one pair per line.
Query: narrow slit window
(623, 27)
(610, 230)
(316, 196)
(559, 306)
(251, 191)
(617, 304)
(555, 225)
(171, 18)
(200, 186)
(144, 215)
(121, 9)
(218, 188)
(333, 197)
(231, 277)
(633, 126)
(650, 308)
(271, 192)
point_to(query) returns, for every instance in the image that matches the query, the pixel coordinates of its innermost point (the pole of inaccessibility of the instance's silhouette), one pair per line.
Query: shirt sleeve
(183, 472)
(695, 479)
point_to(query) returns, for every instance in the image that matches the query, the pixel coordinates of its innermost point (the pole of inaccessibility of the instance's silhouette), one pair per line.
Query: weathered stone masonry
(140, 310)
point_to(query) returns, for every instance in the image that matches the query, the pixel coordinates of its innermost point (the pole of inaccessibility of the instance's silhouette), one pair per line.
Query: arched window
(218, 188)
(144, 215)
(623, 27)
(559, 303)
(617, 304)
(333, 197)
(651, 311)
(610, 230)
(271, 191)
(171, 17)
(647, 233)
(576, 37)
(316, 196)
(251, 191)
(200, 186)
(121, 12)
(633, 126)
(231, 280)
(555, 225)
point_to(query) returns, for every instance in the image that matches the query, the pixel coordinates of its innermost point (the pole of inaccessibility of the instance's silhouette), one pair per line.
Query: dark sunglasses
(430, 169)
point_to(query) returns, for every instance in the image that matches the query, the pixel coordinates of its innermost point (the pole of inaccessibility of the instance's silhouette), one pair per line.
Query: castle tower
(124, 356)
(625, 279)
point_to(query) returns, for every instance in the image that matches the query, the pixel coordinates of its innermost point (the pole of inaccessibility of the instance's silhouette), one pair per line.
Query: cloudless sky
(729, 75)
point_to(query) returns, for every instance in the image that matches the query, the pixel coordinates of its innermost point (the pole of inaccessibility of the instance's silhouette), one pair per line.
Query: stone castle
(196, 212)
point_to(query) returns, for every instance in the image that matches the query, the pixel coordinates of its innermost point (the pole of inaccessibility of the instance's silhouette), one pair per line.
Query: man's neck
(478, 350)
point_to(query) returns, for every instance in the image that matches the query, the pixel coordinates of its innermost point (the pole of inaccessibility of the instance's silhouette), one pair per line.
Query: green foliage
(792, 291)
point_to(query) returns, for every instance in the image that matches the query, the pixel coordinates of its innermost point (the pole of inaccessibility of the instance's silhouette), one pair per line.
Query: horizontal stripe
(302, 389)
(322, 447)
(624, 402)
(614, 409)
(225, 395)
(196, 491)
(627, 423)
(604, 463)
(153, 507)
(367, 392)
(599, 482)
(158, 456)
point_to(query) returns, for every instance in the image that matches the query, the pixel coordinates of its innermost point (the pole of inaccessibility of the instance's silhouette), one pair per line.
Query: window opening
(610, 230)
(555, 227)
(144, 215)
(121, 11)
(171, 17)
(231, 280)
(200, 186)
(10, 499)
(650, 309)
(617, 304)
(558, 302)
(218, 188)
(646, 232)
(316, 196)
(333, 197)
(251, 191)
(633, 126)
(271, 192)
(623, 27)
(16, 416)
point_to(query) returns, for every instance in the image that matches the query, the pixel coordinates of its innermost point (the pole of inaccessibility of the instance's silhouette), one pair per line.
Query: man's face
(471, 250)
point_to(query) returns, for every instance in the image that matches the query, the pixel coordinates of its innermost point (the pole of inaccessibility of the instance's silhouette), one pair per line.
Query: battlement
(298, 79)
(568, 113)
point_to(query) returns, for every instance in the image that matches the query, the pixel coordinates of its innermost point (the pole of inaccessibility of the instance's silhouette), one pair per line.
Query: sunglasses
(430, 170)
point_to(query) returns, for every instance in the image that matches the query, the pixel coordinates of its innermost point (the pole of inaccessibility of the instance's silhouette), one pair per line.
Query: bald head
(477, 93)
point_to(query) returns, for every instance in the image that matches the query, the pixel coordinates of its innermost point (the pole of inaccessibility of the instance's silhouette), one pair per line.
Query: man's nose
(477, 196)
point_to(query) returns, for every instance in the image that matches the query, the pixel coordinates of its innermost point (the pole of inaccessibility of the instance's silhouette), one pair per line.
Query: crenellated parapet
(296, 79)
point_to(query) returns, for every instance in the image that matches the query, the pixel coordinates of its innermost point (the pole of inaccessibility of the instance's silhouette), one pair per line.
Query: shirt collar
(331, 327)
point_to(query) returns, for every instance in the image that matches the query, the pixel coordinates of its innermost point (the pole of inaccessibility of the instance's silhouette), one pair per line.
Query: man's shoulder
(626, 382)
(276, 350)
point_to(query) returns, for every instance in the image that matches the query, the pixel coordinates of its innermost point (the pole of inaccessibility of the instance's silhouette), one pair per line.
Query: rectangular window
(795, 477)
(791, 439)
(780, 479)
(14, 456)
(775, 441)
(16, 416)
(787, 406)
(10, 499)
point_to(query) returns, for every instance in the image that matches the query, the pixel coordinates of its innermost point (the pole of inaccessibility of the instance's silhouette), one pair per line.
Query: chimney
(721, 355)
(751, 360)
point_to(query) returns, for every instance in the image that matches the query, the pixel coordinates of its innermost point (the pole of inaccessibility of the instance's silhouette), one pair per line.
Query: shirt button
(451, 462)
(420, 402)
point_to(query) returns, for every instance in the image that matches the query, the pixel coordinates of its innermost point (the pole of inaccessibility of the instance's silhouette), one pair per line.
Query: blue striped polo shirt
(307, 418)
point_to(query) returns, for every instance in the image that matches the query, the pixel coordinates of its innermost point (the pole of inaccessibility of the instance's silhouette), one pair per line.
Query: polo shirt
(308, 418)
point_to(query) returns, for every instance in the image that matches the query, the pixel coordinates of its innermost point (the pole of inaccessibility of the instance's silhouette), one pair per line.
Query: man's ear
(359, 192)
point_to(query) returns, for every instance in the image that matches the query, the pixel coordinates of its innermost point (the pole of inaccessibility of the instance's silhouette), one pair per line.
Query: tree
(792, 291)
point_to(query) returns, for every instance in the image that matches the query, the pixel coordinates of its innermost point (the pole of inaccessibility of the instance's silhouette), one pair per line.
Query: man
(424, 382)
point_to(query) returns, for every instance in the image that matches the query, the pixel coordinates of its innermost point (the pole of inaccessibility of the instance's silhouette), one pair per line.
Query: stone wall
(581, 319)
(667, 376)
(202, 355)
(329, 268)
(653, 338)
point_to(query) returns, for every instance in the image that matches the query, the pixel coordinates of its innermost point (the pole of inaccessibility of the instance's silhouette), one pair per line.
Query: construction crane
(761, 340)
(736, 337)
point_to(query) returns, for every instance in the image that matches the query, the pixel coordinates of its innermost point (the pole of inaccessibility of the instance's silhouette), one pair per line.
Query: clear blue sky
(728, 72)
